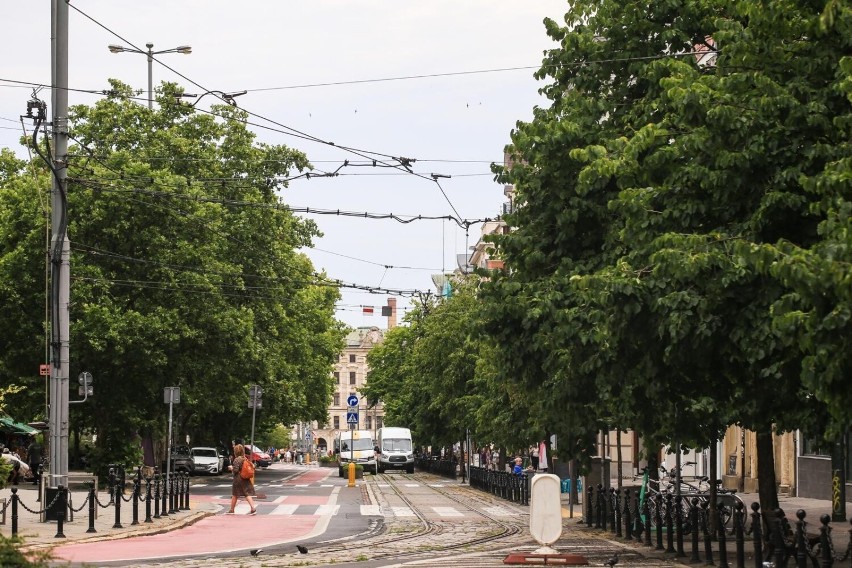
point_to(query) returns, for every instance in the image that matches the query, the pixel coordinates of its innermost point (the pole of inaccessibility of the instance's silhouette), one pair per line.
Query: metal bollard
(600, 510)
(15, 511)
(646, 509)
(111, 482)
(156, 495)
(739, 532)
(148, 500)
(628, 526)
(801, 542)
(757, 535)
(723, 551)
(615, 511)
(693, 524)
(186, 493)
(679, 528)
(61, 509)
(117, 491)
(164, 506)
(705, 528)
(92, 504)
(137, 485)
(826, 548)
(588, 505)
(172, 493)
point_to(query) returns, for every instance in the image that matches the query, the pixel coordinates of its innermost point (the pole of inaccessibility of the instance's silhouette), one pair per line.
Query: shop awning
(12, 427)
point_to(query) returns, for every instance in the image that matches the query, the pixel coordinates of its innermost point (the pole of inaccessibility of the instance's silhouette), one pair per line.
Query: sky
(442, 82)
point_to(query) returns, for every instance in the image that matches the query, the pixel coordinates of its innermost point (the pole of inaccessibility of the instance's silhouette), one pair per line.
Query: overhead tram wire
(462, 223)
(99, 185)
(403, 162)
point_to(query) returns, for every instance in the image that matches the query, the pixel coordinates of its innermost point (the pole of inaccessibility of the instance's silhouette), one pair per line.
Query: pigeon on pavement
(302, 549)
(255, 551)
(612, 561)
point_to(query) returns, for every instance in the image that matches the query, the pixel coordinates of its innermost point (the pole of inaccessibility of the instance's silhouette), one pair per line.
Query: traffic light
(85, 380)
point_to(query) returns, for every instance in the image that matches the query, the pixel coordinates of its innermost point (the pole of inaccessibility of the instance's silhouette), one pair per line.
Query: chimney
(392, 314)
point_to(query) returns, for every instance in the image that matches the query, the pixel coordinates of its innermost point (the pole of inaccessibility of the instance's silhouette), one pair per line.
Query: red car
(258, 456)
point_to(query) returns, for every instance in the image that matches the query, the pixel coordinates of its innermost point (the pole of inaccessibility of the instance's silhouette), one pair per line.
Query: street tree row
(184, 273)
(679, 253)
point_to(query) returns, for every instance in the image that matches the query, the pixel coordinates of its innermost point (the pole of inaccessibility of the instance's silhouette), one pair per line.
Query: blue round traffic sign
(352, 400)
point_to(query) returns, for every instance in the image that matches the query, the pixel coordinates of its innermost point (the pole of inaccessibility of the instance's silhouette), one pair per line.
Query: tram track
(410, 537)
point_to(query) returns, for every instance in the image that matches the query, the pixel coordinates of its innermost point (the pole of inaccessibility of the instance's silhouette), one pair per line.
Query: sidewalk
(42, 535)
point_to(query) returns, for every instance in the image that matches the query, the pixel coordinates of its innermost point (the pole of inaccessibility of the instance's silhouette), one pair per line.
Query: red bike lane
(215, 534)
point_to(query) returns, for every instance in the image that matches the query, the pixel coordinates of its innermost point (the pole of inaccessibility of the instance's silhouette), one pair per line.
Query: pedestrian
(34, 459)
(519, 467)
(241, 487)
(534, 456)
(542, 456)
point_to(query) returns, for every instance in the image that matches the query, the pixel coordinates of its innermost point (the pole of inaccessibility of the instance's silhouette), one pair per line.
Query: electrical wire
(402, 163)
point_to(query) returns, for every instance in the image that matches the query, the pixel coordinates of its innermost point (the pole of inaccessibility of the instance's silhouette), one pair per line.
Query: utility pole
(60, 251)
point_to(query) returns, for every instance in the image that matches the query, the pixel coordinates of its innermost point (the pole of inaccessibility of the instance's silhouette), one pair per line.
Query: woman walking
(241, 487)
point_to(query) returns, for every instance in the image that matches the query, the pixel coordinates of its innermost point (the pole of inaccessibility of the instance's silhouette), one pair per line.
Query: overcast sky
(281, 52)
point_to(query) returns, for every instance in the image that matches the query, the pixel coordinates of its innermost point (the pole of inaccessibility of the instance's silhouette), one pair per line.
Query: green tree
(185, 272)
(638, 190)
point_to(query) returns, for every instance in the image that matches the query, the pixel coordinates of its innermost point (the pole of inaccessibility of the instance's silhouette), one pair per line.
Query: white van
(396, 449)
(356, 446)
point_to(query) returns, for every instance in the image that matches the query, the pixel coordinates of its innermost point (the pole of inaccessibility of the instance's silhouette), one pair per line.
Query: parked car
(258, 456)
(182, 460)
(207, 460)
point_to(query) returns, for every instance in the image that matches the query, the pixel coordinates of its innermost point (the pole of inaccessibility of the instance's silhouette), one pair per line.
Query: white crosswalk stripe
(499, 511)
(402, 512)
(284, 510)
(327, 510)
(371, 511)
(447, 511)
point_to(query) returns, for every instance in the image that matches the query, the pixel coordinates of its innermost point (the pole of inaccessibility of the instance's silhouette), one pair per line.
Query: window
(336, 422)
(351, 377)
(811, 447)
(337, 399)
(379, 422)
(337, 377)
(369, 424)
(352, 358)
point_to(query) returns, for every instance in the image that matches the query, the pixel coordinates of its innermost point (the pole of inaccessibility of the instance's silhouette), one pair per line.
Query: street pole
(254, 393)
(171, 391)
(60, 252)
(150, 75)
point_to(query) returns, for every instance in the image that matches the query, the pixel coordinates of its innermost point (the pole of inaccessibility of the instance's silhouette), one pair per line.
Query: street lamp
(185, 49)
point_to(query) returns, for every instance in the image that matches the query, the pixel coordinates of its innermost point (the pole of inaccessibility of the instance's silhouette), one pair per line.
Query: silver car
(208, 460)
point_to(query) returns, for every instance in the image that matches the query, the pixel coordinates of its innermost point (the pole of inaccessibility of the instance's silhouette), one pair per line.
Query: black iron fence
(673, 523)
(444, 468)
(503, 484)
(166, 496)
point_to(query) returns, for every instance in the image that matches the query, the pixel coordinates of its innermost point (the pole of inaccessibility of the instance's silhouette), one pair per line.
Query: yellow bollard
(308, 458)
(351, 475)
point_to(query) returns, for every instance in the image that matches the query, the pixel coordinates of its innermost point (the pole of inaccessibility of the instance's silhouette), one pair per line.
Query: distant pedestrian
(241, 487)
(534, 456)
(34, 459)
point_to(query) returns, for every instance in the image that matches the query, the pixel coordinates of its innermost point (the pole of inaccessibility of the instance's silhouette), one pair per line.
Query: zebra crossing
(294, 509)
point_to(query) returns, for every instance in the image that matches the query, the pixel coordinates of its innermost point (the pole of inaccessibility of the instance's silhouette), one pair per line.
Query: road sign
(44, 370)
(307, 435)
(352, 401)
(171, 395)
(352, 418)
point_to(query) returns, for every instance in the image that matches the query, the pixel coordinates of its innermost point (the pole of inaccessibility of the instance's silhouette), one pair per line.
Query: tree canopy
(185, 272)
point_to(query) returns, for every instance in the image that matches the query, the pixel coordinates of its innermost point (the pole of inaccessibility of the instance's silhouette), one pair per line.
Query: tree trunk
(767, 486)
(619, 468)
